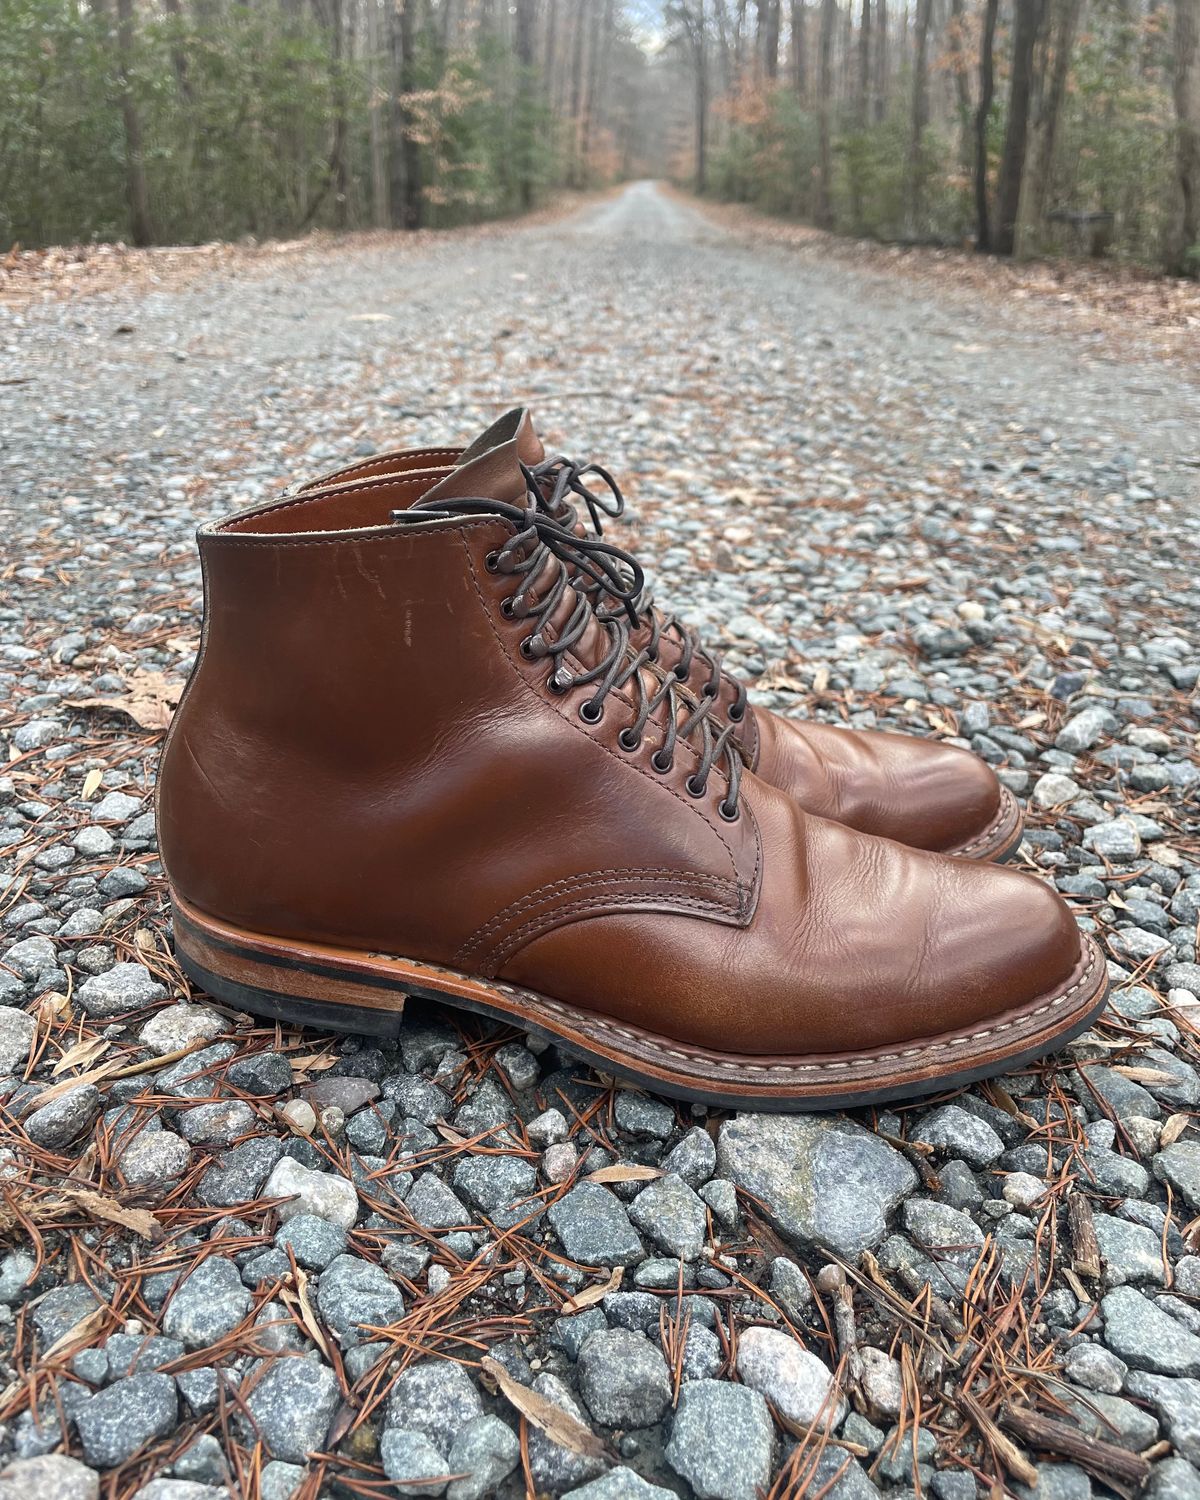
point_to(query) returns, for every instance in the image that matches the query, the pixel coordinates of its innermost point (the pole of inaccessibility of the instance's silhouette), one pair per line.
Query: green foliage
(238, 107)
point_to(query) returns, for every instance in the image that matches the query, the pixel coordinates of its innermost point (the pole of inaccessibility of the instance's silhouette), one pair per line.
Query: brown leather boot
(413, 760)
(923, 793)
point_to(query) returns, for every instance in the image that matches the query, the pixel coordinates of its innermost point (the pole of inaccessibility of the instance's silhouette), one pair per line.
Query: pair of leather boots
(437, 742)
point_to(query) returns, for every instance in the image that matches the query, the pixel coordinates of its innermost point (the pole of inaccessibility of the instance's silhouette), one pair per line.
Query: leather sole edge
(1001, 840)
(346, 990)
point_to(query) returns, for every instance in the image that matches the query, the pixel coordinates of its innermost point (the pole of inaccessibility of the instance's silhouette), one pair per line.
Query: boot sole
(311, 984)
(1001, 839)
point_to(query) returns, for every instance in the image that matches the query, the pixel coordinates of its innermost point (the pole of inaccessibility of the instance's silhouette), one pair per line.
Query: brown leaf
(139, 1221)
(593, 1294)
(620, 1173)
(81, 1055)
(559, 1426)
(150, 698)
(1174, 1128)
(81, 1335)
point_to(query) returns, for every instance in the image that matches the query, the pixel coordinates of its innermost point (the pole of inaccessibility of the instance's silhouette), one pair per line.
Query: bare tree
(1050, 87)
(1185, 235)
(406, 196)
(824, 213)
(799, 52)
(141, 227)
(379, 181)
(881, 61)
(915, 176)
(987, 92)
(1028, 24)
(863, 99)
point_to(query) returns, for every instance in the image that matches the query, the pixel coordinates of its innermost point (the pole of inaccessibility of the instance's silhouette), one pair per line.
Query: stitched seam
(596, 904)
(612, 754)
(376, 534)
(1007, 803)
(341, 476)
(517, 909)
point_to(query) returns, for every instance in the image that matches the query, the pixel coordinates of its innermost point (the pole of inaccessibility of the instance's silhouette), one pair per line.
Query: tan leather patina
(384, 780)
(923, 793)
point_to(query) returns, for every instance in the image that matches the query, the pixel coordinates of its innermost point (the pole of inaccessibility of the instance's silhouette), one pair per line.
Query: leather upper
(919, 792)
(365, 757)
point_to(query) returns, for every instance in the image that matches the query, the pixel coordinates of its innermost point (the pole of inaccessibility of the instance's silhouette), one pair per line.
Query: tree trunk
(339, 168)
(526, 93)
(1039, 152)
(771, 41)
(701, 55)
(179, 62)
(406, 199)
(141, 229)
(881, 61)
(863, 101)
(379, 183)
(1185, 235)
(962, 80)
(574, 176)
(914, 206)
(800, 50)
(1012, 164)
(824, 213)
(987, 91)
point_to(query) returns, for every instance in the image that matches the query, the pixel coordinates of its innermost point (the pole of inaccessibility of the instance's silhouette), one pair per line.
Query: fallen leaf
(594, 1294)
(79, 1336)
(1174, 1128)
(620, 1173)
(139, 1221)
(559, 1426)
(150, 698)
(91, 783)
(81, 1055)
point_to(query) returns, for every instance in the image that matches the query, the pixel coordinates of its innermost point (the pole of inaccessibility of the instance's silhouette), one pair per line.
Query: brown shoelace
(554, 479)
(548, 560)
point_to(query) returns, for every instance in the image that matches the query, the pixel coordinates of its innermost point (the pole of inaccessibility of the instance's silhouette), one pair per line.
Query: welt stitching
(377, 535)
(346, 475)
(578, 728)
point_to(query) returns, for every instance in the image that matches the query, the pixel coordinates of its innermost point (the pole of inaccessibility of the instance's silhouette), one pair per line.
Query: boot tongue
(491, 466)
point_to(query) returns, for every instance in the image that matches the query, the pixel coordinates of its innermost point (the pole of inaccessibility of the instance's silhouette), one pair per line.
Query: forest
(1023, 127)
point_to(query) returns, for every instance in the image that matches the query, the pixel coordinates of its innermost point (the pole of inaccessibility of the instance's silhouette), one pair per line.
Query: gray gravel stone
(953, 1131)
(623, 1378)
(1179, 1165)
(500, 1187)
(722, 1440)
(671, 1214)
(124, 987)
(1085, 729)
(207, 1304)
(435, 1397)
(825, 1183)
(216, 1124)
(314, 1241)
(237, 1176)
(155, 1158)
(280, 1481)
(52, 1476)
(794, 1381)
(1173, 1479)
(326, 1195)
(432, 1204)
(117, 1421)
(1129, 1251)
(1177, 1402)
(1094, 1368)
(485, 1453)
(263, 1074)
(64, 1119)
(17, 1030)
(619, 1484)
(292, 1404)
(1145, 1337)
(593, 1227)
(412, 1463)
(178, 1026)
(352, 1293)
(693, 1159)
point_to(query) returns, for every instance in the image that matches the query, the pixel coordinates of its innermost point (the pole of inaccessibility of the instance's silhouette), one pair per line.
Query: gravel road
(891, 504)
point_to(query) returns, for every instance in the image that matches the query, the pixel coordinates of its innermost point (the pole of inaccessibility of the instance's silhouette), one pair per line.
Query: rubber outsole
(343, 990)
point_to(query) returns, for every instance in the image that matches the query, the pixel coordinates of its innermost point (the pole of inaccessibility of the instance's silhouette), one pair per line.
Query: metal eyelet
(681, 673)
(729, 816)
(659, 764)
(590, 711)
(506, 608)
(629, 741)
(694, 787)
(737, 714)
(492, 562)
(527, 650)
(558, 684)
